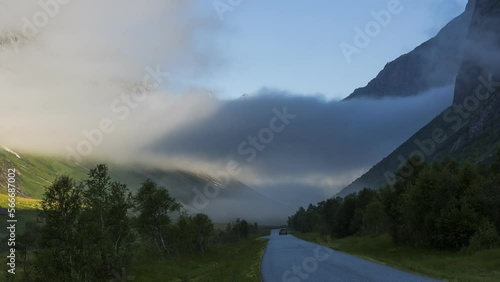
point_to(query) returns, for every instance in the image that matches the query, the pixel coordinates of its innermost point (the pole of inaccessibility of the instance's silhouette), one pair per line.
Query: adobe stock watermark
(249, 148)
(458, 116)
(225, 6)
(32, 26)
(308, 266)
(364, 36)
(122, 108)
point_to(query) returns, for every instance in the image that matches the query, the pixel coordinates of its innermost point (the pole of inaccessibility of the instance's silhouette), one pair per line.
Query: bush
(485, 238)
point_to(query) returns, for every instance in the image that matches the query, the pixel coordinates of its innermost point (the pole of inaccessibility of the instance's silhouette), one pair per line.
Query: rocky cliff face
(481, 55)
(470, 129)
(433, 64)
(477, 86)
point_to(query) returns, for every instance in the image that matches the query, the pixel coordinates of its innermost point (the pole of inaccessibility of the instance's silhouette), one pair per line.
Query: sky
(295, 45)
(156, 84)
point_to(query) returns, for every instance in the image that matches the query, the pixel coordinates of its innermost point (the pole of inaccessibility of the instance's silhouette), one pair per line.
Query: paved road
(289, 259)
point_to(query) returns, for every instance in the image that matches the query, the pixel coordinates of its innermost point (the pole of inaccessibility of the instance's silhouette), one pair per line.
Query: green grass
(26, 211)
(21, 202)
(238, 261)
(450, 266)
(23, 216)
(35, 172)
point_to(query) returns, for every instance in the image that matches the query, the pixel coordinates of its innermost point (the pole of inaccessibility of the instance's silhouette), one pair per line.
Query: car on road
(283, 231)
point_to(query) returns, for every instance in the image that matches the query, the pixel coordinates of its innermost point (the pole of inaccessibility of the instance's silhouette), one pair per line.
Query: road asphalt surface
(289, 259)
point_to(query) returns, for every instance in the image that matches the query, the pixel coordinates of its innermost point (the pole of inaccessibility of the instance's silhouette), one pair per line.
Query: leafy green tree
(312, 219)
(104, 227)
(374, 217)
(389, 200)
(365, 196)
(444, 205)
(202, 227)
(345, 215)
(61, 207)
(299, 220)
(26, 242)
(457, 225)
(486, 237)
(119, 227)
(154, 205)
(96, 244)
(243, 229)
(180, 235)
(329, 213)
(356, 221)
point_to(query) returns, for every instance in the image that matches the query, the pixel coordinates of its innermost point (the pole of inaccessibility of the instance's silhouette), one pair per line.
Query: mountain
(35, 172)
(470, 128)
(434, 63)
(233, 199)
(222, 201)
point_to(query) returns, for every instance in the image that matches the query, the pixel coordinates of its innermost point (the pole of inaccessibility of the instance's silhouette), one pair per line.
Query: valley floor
(237, 261)
(450, 266)
(234, 261)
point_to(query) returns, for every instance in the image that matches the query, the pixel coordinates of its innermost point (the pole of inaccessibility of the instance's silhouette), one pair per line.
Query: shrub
(485, 238)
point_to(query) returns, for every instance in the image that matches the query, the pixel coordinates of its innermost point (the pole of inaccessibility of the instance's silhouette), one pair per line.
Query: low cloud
(63, 78)
(64, 64)
(326, 145)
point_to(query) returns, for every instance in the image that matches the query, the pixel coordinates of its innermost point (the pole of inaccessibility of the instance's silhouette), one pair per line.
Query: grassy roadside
(238, 261)
(450, 266)
(26, 211)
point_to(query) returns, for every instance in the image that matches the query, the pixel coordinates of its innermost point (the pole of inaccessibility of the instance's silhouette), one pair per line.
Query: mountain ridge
(470, 128)
(432, 64)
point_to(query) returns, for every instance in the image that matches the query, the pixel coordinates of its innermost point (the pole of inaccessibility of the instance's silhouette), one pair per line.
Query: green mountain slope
(35, 172)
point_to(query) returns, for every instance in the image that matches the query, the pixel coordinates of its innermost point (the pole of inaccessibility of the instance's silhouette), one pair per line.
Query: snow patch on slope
(12, 152)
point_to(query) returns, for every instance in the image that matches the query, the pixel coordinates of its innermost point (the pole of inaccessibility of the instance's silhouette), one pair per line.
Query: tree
(104, 227)
(356, 221)
(312, 218)
(180, 235)
(329, 213)
(26, 242)
(298, 221)
(154, 205)
(345, 215)
(96, 243)
(457, 225)
(119, 227)
(365, 196)
(61, 207)
(374, 217)
(486, 237)
(444, 205)
(243, 229)
(202, 227)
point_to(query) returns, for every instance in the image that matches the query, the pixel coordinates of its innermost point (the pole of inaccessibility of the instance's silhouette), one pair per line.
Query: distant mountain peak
(245, 96)
(435, 63)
